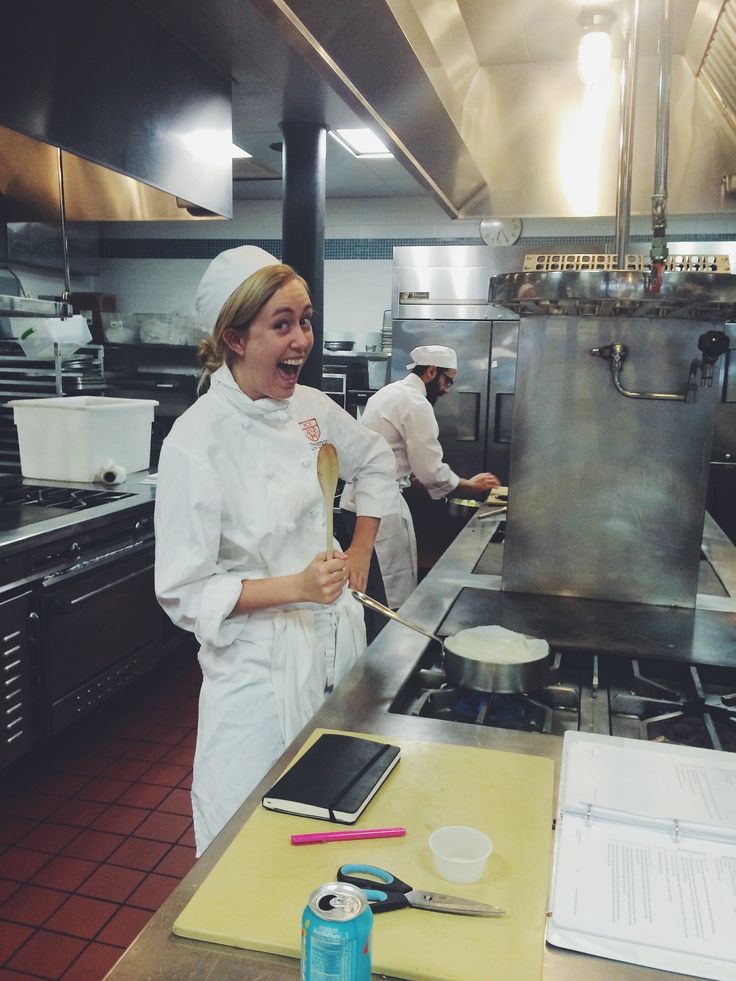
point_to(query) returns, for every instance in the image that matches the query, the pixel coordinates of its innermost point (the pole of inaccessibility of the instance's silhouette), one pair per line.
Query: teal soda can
(336, 934)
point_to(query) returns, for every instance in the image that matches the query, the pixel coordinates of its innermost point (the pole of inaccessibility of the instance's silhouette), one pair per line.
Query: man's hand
(481, 483)
(359, 560)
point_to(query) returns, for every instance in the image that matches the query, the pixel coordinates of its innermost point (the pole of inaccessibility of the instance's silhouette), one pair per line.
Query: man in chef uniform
(403, 414)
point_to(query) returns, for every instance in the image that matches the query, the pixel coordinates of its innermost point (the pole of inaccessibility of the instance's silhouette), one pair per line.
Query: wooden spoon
(327, 472)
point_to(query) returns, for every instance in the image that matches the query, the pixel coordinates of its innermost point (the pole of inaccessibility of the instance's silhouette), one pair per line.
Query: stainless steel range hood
(144, 125)
(482, 102)
(29, 188)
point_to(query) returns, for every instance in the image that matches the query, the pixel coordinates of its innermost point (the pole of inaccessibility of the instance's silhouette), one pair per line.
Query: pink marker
(323, 836)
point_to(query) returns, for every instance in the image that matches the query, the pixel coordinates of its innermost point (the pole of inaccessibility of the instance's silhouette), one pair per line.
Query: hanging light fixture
(594, 52)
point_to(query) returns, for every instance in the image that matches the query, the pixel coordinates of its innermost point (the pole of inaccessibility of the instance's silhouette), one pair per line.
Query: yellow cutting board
(498, 496)
(255, 894)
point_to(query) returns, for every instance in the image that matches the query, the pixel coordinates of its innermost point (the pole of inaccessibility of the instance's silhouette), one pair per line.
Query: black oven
(78, 610)
(101, 626)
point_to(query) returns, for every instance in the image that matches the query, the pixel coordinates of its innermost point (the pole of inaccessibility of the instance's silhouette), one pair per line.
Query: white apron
(396, 550)
(258, 693)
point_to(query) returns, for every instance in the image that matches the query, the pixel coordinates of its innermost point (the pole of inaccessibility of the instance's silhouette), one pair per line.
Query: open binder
(645, 855)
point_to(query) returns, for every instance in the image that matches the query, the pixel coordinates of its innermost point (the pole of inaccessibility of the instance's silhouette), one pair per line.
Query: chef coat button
(290, 525)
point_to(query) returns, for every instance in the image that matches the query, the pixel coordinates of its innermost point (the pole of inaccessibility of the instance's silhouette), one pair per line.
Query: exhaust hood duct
(628, 90)
(67, 294)
(140, 120)
(659, 251)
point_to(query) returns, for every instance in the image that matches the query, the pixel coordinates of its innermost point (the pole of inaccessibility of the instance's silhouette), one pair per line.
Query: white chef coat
(402, 414)
(238, 498)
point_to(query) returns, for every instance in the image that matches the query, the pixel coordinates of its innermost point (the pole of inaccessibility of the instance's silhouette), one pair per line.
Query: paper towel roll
(111, 474)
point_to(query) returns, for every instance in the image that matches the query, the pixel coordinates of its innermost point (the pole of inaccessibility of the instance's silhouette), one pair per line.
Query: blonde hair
(238, 311)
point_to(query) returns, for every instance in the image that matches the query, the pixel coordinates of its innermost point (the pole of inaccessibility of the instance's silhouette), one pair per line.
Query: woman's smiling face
(271, 352)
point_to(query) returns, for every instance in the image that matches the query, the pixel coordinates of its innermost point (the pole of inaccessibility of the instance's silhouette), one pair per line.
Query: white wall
(356, 292)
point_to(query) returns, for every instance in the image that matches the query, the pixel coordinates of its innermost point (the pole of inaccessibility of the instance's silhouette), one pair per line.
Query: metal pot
(464, 508)
(486, 675)
(339, 345)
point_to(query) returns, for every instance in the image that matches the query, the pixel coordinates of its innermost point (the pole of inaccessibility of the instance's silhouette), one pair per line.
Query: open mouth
(289, 370)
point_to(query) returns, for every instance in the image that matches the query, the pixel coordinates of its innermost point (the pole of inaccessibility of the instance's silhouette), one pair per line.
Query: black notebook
(335, 779)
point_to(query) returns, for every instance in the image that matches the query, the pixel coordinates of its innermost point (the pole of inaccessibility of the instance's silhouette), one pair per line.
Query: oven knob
(75, 548)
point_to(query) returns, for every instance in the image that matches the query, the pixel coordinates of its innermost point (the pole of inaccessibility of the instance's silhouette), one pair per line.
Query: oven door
(101, 628)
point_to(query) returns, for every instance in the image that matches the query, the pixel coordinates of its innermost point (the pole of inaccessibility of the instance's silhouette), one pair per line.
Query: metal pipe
(615, 353)
(659, 250)
(628, 91)
(67, 295)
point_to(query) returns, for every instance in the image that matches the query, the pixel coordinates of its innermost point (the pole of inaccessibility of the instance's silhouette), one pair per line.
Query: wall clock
(500, 231)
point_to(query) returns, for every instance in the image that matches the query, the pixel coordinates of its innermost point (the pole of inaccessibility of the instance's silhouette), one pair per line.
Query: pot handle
(373, 604)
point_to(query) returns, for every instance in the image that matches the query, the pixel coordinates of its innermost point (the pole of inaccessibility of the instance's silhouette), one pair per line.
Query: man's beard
(433, 389)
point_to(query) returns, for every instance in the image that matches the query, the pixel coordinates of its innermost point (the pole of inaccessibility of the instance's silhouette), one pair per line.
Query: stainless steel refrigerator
(440, 296)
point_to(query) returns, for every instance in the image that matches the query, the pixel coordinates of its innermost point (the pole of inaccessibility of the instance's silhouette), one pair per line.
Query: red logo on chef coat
(311, 429)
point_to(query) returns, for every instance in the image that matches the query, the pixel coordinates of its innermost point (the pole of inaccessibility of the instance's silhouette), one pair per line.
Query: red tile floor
(96, 830)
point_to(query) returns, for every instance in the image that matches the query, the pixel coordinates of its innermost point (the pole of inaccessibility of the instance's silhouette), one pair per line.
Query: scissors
(399, 895)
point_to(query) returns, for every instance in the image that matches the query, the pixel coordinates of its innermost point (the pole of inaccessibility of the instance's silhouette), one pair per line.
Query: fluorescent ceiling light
(238, 152)
(361, 143)
(594, 52)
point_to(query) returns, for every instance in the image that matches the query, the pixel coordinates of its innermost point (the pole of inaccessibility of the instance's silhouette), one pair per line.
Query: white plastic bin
(77, 437)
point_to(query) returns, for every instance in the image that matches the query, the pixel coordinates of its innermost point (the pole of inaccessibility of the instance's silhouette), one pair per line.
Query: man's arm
(360, 551)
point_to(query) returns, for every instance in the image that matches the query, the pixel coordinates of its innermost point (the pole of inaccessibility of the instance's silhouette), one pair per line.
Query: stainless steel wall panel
(608, 492)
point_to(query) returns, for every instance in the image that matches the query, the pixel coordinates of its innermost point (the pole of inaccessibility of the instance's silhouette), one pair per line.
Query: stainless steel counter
(360, 703)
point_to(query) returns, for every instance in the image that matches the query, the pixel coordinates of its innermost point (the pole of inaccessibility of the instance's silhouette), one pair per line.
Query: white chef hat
(223, 276)
(436, 354)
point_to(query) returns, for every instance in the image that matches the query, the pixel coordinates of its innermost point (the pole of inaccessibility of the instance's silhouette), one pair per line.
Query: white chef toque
(223, 276)
(436, 354)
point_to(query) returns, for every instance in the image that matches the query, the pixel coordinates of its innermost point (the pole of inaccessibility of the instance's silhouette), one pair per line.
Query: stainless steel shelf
(25, 306)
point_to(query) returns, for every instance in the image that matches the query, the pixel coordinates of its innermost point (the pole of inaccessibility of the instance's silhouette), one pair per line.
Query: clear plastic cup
(460, 854)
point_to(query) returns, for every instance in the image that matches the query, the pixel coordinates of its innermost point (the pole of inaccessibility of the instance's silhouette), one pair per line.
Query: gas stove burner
(503, 711)
(694, 707)
(706, 730)
(74, 500)
(658, 700)
(25, 504)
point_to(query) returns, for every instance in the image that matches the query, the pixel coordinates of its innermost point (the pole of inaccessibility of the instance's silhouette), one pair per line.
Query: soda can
(336, 934)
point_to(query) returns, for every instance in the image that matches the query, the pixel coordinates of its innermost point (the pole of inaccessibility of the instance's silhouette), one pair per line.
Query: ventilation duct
(717, 68)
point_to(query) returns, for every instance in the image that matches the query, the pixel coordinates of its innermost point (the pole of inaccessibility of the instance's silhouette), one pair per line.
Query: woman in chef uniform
(240, 526)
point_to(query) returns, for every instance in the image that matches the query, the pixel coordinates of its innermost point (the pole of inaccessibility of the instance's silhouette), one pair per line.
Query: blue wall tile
(353, 248)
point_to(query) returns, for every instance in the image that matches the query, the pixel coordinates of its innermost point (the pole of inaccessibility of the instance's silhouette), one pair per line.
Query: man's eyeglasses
(450, 381)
